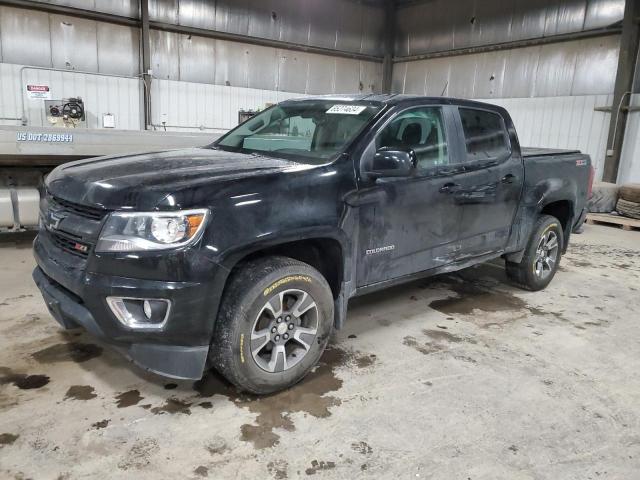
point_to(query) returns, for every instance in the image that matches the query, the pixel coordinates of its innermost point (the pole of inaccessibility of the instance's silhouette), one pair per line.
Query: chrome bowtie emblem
(54, 219)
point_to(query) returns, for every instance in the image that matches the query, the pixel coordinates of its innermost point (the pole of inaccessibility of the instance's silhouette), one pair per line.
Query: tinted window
(484, 134)
(420, 129)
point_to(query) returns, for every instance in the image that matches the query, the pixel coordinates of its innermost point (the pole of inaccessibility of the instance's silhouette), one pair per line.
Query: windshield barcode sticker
(347, 109)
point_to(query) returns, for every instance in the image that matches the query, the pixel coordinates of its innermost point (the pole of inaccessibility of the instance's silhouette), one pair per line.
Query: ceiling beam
(264, 42)
(564, 37)
(72, 12)
(183, 29)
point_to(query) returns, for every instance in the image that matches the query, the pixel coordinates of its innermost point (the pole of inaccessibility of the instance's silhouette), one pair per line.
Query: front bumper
(77, 298)
(184, 362)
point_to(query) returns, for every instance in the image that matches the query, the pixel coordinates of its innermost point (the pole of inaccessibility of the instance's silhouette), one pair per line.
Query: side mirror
(393, 162)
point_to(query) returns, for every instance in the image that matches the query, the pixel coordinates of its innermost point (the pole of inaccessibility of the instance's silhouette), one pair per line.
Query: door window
(485, 134)
(419, 129)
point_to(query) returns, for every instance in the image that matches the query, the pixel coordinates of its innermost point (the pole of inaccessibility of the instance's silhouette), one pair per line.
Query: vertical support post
(623, 89)
(146, 61)
(389, 44)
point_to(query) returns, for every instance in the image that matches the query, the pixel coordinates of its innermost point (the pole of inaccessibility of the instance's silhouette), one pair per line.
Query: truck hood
(143, 181)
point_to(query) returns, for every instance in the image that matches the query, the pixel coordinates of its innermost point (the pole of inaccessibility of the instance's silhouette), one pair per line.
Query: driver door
(414, 223)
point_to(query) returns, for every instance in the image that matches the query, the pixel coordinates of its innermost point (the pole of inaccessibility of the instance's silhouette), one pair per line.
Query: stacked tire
(629, 200)
(604, 197)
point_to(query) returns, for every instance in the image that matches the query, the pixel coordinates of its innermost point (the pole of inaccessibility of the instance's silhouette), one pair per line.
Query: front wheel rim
(284, 330)
(546, 255)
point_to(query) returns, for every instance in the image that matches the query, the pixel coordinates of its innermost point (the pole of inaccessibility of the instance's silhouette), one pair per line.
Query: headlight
(142, 231)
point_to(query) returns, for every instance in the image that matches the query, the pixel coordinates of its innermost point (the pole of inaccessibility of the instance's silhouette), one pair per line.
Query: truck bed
(544, 152)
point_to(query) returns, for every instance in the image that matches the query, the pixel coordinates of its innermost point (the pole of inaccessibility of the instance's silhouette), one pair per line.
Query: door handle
(508, 178)
(449, 187)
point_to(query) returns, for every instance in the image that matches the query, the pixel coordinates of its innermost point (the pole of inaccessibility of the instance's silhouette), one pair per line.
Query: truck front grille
(92, 213)
(69, 244)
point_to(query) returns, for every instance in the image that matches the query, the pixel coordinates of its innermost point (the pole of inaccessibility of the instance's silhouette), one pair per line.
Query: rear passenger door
(489, 191)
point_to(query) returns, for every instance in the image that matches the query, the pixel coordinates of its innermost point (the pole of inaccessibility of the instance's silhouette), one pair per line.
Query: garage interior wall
(551, 90)
(554, 91)
(198, 82)
(629, 170)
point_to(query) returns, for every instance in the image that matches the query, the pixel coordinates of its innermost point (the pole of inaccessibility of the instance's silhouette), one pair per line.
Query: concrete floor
(457, 377)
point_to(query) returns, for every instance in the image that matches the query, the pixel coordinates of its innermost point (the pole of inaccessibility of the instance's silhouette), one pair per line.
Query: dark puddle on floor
(22, 380)
(475, 294)
(278, 469)
(317, 466)
(7, 438)
(425, 348)
(68, 352)
(173, 405)
(439, 335)
(128, 399)
(101, 424)
(201, 471)
(80, 392)
(472, 297)
(438, 341)
(273, 411)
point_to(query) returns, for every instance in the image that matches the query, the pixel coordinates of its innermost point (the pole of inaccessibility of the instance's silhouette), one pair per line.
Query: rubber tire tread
(603, 197)
(628, 209)
(521, 273)
(630, 192)
(237, 301)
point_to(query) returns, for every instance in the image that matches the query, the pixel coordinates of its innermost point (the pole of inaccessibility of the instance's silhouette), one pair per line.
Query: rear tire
(542, 255)
(630, 192)
(603, 197)
(628, 209)
(274, 322)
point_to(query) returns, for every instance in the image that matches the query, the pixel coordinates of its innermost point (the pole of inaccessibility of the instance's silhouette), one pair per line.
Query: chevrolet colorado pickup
(242, 255)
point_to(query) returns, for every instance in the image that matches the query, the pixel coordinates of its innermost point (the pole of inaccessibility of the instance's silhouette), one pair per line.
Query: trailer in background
(28, 154)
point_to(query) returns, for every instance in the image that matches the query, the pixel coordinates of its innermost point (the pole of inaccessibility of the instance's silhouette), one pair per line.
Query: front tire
(275, 320)
(542, 255)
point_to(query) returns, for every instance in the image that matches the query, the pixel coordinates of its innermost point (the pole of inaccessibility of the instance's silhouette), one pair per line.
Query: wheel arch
(563, 210)
(326, 252)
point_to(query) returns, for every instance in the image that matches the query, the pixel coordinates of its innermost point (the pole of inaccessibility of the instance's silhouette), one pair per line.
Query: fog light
(146, 306)
(142, 313)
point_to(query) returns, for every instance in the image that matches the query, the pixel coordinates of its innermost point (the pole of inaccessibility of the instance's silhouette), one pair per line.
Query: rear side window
(484, 133)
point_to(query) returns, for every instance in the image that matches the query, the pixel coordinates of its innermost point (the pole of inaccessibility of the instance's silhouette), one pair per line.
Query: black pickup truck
(242, 255)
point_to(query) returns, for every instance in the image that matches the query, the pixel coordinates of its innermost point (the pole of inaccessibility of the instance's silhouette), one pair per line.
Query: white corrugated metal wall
(198, 81)
(562, 122)
(187, 106)
(551, 90)
(104, 94)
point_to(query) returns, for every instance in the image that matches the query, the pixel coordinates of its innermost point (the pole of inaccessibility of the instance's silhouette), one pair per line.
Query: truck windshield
(315, 130)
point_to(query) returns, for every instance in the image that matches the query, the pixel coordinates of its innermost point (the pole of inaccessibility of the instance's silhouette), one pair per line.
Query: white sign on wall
(38, 91)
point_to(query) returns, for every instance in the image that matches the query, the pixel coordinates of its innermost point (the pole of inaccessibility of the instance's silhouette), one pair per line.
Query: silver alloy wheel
(546, 255)
(284, 330)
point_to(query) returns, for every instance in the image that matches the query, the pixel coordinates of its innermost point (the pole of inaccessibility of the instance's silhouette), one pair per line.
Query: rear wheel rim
(546, 255)
(284, 330)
